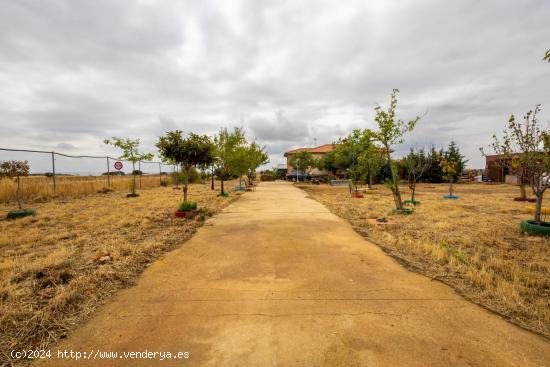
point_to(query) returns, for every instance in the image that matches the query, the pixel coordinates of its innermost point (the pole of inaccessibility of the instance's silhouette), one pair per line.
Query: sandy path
(277, 280)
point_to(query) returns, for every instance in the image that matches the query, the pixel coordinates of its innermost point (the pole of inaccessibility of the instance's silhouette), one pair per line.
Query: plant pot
(21, 213)
(529, 200)
(530, 227)
(404, 211)
(132, 195)
(185, 214)
(412, 202)
(357, 196)
(453, 197)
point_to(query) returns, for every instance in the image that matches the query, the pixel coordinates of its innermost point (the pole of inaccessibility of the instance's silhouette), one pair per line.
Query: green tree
(303, 162)
(529, 144)
(452, 164)
(191, 152)
(434, 173)
(256, 157)
(391, 131)
(372, 159)
(131, 153)
(416, 163)
(15, 169)
(328, 162)
(229, 154)
(547, 56)
(349, 152)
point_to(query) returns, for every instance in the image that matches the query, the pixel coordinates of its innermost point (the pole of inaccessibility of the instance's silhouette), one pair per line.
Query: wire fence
(56, 174)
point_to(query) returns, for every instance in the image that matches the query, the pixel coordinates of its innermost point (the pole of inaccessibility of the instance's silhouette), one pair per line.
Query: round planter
(530, 227)
(452, 197)
(185, 214)
(132, 195)
(413, 202)
(529, 200)
(404, 211)
(21, 213)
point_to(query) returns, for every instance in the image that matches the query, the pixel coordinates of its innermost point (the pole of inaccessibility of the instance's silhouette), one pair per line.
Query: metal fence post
(108, 174)
(53, 172)
(140, 173)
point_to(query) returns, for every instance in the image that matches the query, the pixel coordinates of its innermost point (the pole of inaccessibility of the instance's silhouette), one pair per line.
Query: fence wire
(63, 170)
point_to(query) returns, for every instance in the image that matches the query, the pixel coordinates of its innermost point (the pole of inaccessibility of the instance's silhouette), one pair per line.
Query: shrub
(194, 176)
(186, 206)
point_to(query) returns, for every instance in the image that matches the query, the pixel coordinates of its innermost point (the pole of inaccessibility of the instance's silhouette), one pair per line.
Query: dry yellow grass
(40, 188)
(50, 276)
(473, 244)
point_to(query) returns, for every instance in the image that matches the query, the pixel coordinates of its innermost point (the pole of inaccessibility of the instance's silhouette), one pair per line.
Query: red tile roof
(320, 149)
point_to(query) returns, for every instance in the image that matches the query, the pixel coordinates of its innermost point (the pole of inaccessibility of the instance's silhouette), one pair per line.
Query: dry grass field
(40, 188)
(473, 244)
(58, 266)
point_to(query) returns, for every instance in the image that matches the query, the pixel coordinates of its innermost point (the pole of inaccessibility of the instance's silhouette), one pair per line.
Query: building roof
(320, 149)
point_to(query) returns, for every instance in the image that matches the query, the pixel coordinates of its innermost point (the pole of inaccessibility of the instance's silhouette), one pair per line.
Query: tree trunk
(538, 208)
(222, 187)
(17, 193)
(370, 181)
(523, 193)
(413, 188)
(133, 178)
(212, 184)
(186, 184)
(451, 188)
(395, 185)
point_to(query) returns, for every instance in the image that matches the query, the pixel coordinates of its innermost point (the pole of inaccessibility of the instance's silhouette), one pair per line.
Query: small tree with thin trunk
(416, 163)
(302, 162)
(390, 133)
(228, 154)
(256, 157)
(131, 153)
(452, 164)
(14, 170)
(191, 152)
(449, 166)
(529, 144)
(372, 159)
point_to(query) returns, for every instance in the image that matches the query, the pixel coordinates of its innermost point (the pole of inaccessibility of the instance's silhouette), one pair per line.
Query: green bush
(194, 176)
(186, 206)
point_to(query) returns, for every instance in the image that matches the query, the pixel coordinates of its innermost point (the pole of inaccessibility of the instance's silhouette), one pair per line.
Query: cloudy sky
(290, 72)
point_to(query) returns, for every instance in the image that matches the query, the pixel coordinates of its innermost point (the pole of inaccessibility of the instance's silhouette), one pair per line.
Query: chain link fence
(54, 174)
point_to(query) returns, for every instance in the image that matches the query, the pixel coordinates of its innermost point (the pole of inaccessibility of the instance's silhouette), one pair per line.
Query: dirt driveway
(277, 280)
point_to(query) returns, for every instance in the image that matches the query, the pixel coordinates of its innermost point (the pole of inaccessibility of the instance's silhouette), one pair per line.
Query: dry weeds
(40, 188)
(472, 244)
(51, 276)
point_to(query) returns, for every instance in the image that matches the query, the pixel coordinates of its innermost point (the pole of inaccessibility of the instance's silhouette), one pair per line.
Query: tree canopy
(193, 151)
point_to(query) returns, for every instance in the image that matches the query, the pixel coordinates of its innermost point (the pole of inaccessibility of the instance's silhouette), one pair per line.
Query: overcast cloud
(75, 72)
